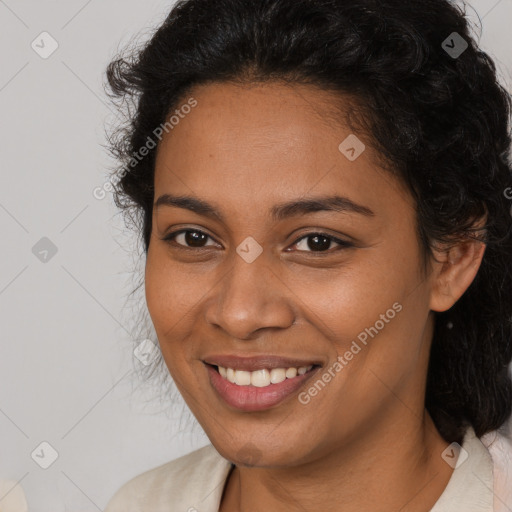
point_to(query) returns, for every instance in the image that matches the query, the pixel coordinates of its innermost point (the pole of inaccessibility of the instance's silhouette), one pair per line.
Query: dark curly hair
(440, 120)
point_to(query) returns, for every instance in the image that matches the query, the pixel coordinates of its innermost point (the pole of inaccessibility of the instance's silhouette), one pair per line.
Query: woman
(321, 189)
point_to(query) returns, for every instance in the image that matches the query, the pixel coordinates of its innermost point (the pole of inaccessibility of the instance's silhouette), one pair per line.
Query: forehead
(251, 117)
(265, 142)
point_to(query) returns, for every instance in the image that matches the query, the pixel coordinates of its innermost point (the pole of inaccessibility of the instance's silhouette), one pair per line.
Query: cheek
(353, 297)
(170, 295)
(373, 313)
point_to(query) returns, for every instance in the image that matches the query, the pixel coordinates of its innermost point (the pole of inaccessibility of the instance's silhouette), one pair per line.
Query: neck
(395, 467)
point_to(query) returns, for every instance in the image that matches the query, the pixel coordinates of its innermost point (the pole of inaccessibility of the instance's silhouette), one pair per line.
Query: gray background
(68, 374)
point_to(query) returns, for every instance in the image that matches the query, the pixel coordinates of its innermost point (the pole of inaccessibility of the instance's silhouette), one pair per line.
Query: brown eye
(312, 242)
(320, 242)
(189, 238)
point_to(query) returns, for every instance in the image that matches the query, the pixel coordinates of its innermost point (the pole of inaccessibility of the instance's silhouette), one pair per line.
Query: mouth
(263, 377)
(258, 389)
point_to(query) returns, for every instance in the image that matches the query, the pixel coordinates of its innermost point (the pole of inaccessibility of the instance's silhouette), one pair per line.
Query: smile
(261, 378)
(260, 389)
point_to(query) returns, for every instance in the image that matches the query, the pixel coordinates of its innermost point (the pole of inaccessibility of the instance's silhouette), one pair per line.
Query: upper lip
(253, 363)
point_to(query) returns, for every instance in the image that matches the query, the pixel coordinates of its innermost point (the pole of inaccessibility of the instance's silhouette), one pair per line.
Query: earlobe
(453, 273)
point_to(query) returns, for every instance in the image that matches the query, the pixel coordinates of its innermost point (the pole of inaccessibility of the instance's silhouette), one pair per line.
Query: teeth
(261, 378)
(291, 372)
(277, 375)
(242, 378)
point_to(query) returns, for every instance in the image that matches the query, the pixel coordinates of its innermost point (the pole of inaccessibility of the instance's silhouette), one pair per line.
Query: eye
(194, 237)
(320, 242)
(316, 242)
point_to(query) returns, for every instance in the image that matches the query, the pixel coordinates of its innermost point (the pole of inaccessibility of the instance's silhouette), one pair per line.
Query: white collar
(197, 480)
(470, 488)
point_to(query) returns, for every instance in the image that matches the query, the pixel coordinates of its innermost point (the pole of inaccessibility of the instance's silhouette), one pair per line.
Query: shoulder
(470, 488)
(12, 496)
(480, 481)
(178, 482)
(500, 448)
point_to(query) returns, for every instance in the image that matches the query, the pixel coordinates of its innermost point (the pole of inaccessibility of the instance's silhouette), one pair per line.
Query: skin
(365, 442)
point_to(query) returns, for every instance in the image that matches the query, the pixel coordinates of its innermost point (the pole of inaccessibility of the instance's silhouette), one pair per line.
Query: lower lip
(252, 398)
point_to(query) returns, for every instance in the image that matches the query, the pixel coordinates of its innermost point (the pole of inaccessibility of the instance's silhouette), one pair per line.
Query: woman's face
(247, 282)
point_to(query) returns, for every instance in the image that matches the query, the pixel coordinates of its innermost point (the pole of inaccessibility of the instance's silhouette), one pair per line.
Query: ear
(453, 272)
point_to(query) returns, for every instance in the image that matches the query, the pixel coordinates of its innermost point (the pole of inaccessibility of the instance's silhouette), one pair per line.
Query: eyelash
(342, 243)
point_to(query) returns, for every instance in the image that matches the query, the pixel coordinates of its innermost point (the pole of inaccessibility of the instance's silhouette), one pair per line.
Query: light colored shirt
(12, 497)
(195, 482)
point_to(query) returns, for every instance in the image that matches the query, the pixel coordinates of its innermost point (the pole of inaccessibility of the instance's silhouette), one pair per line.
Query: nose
(249, 298)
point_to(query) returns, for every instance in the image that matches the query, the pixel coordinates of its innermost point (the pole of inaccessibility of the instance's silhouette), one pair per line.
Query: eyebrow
(278, 212)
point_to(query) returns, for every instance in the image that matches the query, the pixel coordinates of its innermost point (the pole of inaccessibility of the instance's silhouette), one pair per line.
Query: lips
(253, 363)
(253, 399)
